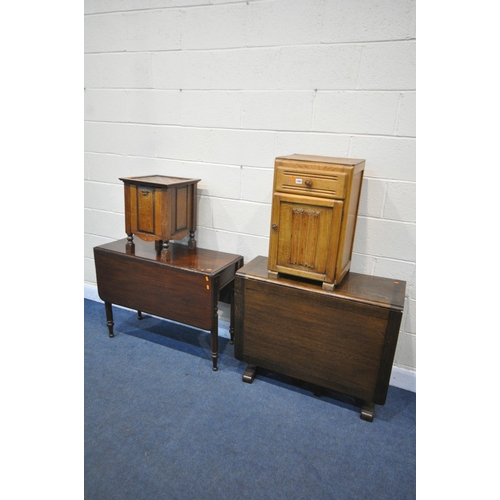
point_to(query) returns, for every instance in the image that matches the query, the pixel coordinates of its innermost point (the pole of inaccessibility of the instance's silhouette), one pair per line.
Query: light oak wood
(313, 216)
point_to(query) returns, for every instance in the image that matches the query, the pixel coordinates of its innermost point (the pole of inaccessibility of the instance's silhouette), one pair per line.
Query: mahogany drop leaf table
(182, 285)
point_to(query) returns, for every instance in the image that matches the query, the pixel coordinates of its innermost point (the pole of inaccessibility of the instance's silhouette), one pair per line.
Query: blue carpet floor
(160, 424)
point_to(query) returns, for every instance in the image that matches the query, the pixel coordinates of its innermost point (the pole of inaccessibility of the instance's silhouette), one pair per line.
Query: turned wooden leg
(367, 411)
(165, 250)
(231, 319)
(249, 374)
(214, 340)
(130, 248)
(139, 315)
(130, 238)
(109, 318)
(192, 241)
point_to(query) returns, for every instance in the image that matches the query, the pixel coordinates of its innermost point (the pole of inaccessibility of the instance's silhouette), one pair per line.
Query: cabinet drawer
(326, 185)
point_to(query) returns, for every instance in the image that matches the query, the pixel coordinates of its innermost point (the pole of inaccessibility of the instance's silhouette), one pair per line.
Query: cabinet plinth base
(329, 287)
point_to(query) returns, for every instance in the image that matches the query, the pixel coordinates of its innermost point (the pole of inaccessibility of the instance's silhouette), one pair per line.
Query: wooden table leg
(231, 318)
(367, 411)
(214, 339)
(250, 373)
(109, 318)
(192, 241)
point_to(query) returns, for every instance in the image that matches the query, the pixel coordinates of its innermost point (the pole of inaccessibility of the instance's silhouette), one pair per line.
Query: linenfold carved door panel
(305, 235)
(313, 217)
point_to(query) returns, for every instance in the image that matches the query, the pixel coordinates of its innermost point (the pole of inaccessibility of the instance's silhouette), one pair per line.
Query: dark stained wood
(343, 339)
(249, 374)
(109, 318)
(182, 286)
(367, 411)
(201, 260)
(360, 287)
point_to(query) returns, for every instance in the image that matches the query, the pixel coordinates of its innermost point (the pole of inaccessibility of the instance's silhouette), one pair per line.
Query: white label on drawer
(298, 181)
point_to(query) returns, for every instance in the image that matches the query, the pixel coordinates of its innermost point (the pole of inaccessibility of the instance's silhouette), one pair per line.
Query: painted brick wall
(217, 89)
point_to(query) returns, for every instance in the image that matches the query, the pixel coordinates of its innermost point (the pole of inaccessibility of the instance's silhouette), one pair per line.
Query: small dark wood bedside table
(342, 340)
(183, 287)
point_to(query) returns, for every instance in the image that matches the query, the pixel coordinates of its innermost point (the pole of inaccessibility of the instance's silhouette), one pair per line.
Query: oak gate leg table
(344, 340)
(183, 286)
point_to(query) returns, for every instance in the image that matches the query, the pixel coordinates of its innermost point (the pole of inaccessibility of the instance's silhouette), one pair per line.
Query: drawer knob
(275, 226)
(309, 183)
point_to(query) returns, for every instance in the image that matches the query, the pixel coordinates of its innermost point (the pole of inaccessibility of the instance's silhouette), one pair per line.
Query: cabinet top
(158, 180)
(373, 290)
(323, 159)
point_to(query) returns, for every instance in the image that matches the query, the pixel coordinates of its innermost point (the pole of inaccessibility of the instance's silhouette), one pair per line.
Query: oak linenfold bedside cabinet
(313, 216)
(342, 340)
(160, 208)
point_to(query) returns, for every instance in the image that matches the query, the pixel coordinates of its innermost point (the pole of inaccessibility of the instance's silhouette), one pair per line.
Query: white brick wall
(217, 89)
